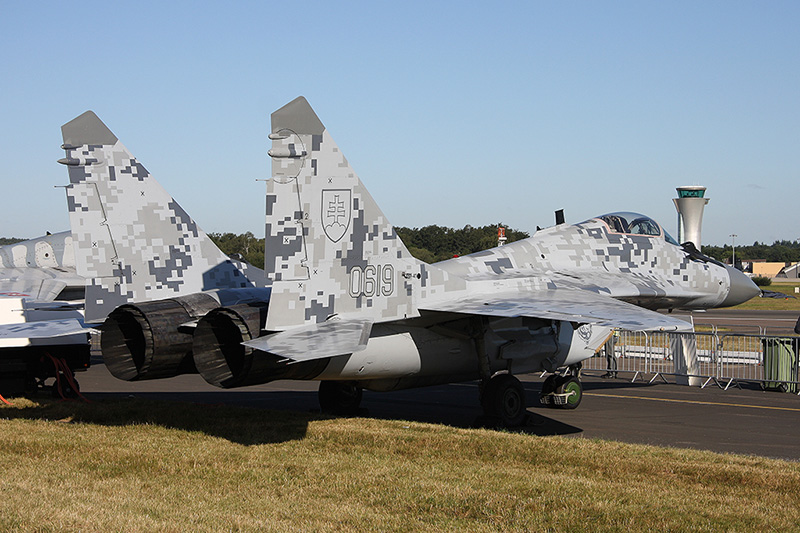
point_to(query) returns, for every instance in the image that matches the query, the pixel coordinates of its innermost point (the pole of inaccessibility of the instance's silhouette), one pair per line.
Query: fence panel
(766, 359)
(772, 361)
(625, 352)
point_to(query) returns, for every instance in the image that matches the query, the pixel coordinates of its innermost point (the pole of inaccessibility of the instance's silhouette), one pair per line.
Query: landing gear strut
(563, 390)
(339, 397)
(503, 400)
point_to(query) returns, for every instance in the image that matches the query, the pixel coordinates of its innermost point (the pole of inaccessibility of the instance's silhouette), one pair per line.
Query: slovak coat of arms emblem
(336, 212)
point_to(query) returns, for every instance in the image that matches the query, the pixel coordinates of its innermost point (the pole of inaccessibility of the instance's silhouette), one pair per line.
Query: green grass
(150, 466)
(788, 304)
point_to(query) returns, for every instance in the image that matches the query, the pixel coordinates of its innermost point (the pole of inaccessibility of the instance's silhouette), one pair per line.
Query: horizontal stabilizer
(40, 290)
(562, 304)
(316, 341)
(44, 329)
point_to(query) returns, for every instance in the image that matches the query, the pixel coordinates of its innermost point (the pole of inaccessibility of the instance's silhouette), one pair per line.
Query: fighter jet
(41, 312)
(349, 306)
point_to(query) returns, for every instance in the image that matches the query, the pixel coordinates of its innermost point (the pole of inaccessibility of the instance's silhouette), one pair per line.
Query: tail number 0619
(372, 280)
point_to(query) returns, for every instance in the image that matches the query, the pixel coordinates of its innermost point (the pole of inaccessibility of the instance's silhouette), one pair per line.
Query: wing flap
(316, 341)
(561, 304)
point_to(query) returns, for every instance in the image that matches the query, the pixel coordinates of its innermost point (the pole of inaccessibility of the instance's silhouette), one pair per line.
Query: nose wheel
(565, 392)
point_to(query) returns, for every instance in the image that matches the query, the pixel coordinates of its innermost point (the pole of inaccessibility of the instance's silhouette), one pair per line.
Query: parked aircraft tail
(133, 241)
(329, 248)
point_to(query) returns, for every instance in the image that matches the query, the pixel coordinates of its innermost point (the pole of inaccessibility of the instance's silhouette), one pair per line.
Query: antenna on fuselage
(559, 217)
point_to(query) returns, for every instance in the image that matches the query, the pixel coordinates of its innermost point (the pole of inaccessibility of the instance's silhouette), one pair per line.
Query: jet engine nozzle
(222, 359)
(143, 341)
(219, 354)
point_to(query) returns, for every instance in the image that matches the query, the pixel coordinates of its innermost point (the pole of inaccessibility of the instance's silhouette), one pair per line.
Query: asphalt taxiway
(742, 321)
(747, 421)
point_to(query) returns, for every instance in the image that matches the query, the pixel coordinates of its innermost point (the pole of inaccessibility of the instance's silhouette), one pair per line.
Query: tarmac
(748, 421)
(745, 321)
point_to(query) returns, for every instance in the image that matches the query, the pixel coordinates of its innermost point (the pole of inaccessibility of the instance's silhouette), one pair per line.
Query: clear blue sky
(452, 113)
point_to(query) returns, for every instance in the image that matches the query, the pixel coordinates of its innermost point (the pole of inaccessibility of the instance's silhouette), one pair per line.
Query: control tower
(690, 203)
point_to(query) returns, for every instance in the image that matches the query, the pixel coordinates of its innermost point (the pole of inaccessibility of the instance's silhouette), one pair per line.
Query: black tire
(570, 384)
(339, 397)
(504, 399)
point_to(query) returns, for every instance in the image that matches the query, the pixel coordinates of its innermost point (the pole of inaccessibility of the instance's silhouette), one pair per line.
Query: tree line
(779, 251)
(247, 246)
(437, 243)
(429, 243)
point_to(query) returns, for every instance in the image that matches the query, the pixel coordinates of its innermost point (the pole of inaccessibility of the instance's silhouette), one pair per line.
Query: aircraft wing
(43, 329)
(560, 304)
(42, 290)
(316, 341)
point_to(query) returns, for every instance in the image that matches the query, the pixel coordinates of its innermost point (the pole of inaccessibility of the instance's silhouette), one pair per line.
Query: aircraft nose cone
(742, 288)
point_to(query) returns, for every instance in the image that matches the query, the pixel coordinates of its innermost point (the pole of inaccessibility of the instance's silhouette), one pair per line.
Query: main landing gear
(503, 400)
(563, 390)
(339, 397)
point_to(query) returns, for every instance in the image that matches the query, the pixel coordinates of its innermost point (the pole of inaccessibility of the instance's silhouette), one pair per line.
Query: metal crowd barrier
(701, 358)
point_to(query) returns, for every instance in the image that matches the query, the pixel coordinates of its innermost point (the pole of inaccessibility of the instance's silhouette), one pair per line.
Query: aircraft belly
(519, 346)
(394, 353)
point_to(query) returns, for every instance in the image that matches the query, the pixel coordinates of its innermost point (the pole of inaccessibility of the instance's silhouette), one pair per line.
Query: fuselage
(27, 266)
(623, 255)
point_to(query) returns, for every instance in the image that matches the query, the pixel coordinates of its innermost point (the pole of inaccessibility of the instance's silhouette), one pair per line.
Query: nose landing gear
(564, 391)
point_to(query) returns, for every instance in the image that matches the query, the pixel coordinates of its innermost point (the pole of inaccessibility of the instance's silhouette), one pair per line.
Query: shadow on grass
(249, 416)
(243, 425)
(457, 405)
(237, 424)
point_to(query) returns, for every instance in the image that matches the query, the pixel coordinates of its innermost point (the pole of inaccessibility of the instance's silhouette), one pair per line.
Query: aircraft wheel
(573, 387)
(339, 397)
(504, 399)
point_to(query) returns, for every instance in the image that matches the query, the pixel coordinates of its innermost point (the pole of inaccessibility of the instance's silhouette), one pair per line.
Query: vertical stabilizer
(133, 242)
(329, 248)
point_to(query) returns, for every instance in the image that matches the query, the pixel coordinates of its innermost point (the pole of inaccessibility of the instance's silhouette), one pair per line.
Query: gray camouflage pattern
(345, 288)
(38, 269)
(133, 241)
(644, 269)
(331, 252)
(41, 293)
(42, 329)
(316, 341)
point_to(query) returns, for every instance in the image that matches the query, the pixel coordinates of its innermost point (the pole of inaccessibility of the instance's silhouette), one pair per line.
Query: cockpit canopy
(636, 224)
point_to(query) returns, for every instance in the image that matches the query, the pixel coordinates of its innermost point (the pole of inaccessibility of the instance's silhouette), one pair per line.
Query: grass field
(788, 304)
(148, 466)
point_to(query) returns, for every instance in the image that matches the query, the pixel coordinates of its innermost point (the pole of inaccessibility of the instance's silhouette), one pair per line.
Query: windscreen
(636, 224)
